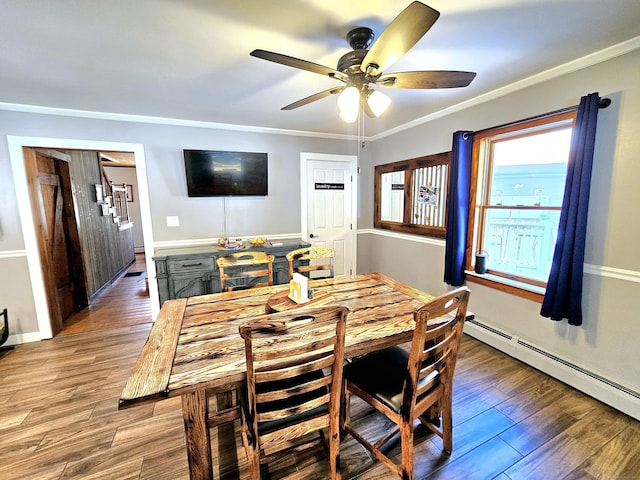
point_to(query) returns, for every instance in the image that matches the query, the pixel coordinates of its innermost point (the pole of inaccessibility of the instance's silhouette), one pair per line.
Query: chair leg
(406, 438)
(334, 454)
(345, 412)
(252, 450)
(447, 426)
(253, 458)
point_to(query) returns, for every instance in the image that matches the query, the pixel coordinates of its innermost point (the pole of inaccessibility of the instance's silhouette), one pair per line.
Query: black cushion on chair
(381, 374)
(4, 326)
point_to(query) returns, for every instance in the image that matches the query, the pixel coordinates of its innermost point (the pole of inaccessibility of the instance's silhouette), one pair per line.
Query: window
(517, 188)
(410, 196)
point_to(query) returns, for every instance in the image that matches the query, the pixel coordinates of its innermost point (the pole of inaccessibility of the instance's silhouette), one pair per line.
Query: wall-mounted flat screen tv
(212, 173)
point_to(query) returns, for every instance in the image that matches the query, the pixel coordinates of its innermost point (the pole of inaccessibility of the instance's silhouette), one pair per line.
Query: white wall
(606, 344)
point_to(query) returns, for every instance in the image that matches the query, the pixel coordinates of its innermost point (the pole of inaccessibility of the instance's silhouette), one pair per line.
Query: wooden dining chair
(408, 385)
(245, 270)
(294, 380)
(4, 331)
(311, 259)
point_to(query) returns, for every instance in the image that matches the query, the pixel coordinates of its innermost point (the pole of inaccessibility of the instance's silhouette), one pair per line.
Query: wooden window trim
(520, 286)
(518, 290)
(406, 226)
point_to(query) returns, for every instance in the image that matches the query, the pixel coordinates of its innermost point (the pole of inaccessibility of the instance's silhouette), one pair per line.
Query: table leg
(195, 413)
(224, 436)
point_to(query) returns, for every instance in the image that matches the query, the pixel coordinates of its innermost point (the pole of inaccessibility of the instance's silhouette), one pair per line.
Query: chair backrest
(4, 326)
(294, 372)
(245, 270)
(311, 259)
(435, 343)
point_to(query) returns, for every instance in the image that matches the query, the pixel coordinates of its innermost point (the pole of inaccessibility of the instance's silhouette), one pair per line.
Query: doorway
(328, 205)
(16, 155)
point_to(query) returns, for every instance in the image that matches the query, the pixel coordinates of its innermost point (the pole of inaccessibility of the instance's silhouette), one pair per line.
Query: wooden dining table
(194, 349)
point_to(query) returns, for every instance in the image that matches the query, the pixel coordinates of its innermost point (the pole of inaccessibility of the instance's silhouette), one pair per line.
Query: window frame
(409, 166)
(478, 199)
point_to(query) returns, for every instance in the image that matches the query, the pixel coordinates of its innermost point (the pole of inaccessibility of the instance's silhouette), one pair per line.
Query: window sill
(506, 285)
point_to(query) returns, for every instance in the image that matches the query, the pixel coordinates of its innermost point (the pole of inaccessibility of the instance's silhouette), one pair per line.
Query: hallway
(123, 303)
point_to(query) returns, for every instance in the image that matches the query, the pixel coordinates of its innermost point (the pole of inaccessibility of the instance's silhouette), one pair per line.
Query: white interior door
(329, 192)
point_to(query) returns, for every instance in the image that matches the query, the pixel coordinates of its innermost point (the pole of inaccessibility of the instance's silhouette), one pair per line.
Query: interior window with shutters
(519, 176)
(410, 195)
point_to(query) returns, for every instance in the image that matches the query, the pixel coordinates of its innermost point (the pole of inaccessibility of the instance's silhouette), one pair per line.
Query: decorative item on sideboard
(257, 241)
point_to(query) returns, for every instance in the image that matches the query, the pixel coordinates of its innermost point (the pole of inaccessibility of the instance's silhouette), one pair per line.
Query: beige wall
(15, 294)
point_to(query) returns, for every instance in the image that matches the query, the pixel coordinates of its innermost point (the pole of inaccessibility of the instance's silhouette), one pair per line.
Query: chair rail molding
(12, 253)
(402, 236)
(199, 242)
(591, 269)
(612, 272)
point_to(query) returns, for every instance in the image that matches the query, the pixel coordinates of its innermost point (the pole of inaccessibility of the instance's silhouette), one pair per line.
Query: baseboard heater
(577, 368)
(495, 331)
(558, 367)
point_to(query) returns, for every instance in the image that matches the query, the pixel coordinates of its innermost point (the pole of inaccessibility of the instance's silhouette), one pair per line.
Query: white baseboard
(597, 386)
(23, 338)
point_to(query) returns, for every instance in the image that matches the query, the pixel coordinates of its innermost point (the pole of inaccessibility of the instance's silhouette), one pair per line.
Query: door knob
(311, 235)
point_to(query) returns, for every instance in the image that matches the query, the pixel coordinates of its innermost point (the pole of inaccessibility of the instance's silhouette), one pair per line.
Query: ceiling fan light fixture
(348, 118)
(364, 66)
(378, 102)
(349, 104)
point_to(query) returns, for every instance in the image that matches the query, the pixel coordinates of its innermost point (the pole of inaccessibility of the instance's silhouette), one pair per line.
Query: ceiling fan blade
(426, 79)
(313, 98)
(399, 36)
(298, 63)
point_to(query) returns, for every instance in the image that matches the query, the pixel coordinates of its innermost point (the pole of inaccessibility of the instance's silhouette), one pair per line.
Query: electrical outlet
(173, 221)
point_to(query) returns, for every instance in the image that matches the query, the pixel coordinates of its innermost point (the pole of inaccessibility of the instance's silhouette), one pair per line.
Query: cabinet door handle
(191, 264)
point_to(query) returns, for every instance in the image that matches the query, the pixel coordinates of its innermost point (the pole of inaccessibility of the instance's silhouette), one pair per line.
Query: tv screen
(212, 173)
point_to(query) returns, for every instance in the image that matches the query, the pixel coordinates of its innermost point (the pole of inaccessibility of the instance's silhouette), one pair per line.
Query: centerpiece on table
(299, 288)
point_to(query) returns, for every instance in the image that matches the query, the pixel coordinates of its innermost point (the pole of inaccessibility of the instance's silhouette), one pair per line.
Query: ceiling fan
(366, 64)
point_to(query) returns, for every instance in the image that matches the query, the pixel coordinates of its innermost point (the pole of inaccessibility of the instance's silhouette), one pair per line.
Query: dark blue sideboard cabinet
(189, 271)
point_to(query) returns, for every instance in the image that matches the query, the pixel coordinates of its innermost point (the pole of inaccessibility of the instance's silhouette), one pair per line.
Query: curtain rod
(603, 103)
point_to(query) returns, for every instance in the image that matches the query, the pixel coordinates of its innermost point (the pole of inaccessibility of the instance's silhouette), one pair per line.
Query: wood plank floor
(59, 417)
(125, 302)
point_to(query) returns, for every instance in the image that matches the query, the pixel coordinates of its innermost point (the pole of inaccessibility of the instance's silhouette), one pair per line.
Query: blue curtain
(563, 297)
(458, 208)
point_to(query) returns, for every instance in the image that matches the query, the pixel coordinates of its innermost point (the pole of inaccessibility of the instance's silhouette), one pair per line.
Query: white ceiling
(189, 59)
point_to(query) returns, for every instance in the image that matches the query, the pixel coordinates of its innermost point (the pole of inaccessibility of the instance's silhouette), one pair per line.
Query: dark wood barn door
(58, 241)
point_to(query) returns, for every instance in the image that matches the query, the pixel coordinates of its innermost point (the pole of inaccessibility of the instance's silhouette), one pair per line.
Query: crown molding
(569, 67)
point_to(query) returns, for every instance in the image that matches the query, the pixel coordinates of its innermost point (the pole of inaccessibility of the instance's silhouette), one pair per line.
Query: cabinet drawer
(186, 265)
